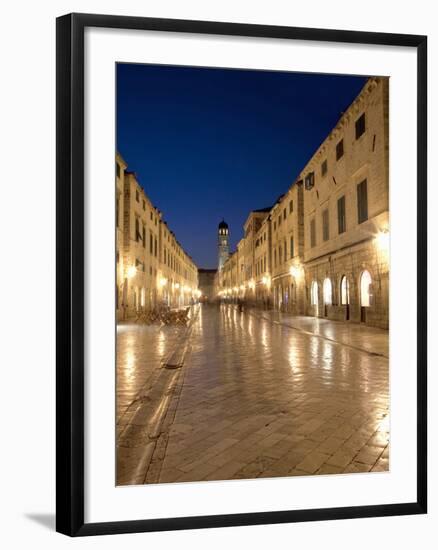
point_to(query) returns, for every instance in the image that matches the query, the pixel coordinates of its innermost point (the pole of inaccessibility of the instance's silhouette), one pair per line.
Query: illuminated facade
(323, 247)
(152, 267)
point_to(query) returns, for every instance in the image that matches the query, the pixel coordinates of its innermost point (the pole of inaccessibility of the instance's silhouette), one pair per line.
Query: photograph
(252, 239)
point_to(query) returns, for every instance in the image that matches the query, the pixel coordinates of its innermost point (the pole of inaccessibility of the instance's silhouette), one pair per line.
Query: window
(325, 225)
(152, 216)
(137, 195)
(365, 289)
(324, 168)
(312, 234)
(264, 263)
(118, 169)
(284, 214)
(144, 205)
(314, 294)
(117, 210)
(151, 243)
(341, 215)
(309, 180)
(327, 291)
(362, 202)
(275, 226)
(144, 237)
(345, 291)
(156, 247)
(291, 247)
(279, 221)
(285, 250)
(275, 257)
(340, 149)
(360, 126)
(137, 230)
(139, 264)
(291, 206)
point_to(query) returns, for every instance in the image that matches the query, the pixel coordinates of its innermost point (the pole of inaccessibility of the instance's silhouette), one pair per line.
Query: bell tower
(224, 250)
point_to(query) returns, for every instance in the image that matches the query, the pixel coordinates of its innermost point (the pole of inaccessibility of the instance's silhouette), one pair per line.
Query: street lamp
(131, 271)
(296, 271)
(382, 240)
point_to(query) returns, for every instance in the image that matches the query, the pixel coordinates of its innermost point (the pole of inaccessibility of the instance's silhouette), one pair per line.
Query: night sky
(208, 144)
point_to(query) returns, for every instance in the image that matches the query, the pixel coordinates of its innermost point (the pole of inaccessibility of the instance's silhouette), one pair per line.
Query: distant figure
(240, 304)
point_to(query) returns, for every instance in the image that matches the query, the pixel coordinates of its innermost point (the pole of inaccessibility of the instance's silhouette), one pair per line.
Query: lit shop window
(327, 291)
(365, 289)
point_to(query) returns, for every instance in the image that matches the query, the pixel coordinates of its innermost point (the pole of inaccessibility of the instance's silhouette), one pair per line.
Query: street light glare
(382, 239)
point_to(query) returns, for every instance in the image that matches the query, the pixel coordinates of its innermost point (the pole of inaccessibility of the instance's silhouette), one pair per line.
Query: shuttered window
(362, 202)
(341, 215)
(360, 126)
(340, 149)
(325, 225)
(312, 234)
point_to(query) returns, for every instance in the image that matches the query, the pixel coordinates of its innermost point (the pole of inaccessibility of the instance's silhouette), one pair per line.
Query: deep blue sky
(212, 143)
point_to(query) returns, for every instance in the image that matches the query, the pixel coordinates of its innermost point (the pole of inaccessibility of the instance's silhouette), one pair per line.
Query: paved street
(264, 395)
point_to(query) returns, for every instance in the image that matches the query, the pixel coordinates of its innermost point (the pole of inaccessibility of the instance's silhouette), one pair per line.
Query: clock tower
(224, 249)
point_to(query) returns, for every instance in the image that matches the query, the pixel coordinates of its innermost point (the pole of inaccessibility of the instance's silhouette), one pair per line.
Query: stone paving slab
(282, 403)
(259, 399)
(371, 339)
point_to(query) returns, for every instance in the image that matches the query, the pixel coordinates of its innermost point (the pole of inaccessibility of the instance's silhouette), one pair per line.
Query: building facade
(152, 267)
(206, 284)
(323, 247)
(346, 214)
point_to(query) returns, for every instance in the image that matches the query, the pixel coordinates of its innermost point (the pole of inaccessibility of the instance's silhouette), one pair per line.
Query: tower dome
(223, 224)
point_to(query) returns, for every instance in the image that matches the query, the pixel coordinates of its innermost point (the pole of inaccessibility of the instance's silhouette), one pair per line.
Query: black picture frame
(70, 273)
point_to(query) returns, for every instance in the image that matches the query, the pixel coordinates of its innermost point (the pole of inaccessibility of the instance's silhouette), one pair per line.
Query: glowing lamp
(382, 240)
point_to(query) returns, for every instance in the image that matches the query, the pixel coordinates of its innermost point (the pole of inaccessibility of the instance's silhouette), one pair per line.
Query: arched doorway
(345, 296)
(327, 294)
(314, 297)
(365, 294)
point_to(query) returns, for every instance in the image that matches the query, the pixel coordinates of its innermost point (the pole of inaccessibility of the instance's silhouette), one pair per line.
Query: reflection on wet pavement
(140, 350)
(371, 339)
(262, 400)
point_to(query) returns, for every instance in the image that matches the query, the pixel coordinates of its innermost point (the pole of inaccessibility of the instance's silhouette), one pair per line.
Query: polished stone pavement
(266, 395)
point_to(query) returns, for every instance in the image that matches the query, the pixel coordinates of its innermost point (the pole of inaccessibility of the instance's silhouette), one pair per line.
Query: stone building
(119, 214)
(346, 214)
(287, 273)
(323, 248)
(152, 267)
(207, 284)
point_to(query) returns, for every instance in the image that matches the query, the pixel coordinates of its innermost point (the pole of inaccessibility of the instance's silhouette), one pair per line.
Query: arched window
(327, 291)
(345, 291)
(314, 294)
(365, 289)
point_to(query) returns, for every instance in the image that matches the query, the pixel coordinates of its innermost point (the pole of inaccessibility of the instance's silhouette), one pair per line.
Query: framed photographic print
(241, 274)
